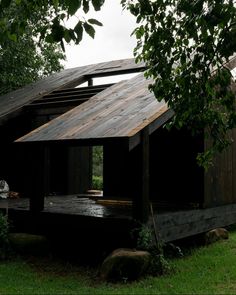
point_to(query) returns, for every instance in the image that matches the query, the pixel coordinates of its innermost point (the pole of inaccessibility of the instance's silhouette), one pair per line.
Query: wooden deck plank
(171, 225)
(74, 205)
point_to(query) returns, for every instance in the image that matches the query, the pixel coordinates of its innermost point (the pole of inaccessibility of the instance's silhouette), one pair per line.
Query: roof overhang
(115, 115)
(11, 104)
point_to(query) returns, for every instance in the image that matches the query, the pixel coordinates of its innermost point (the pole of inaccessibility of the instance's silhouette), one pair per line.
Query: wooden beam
(114, 72)
(79, 175)
(90, 82)
(52, 104)
(153, 126)
(141, 200)
(39, 169)
(81, 89)
(64, 97)
(115, 171)
(46, 170)
(49, 111)
(181, 224)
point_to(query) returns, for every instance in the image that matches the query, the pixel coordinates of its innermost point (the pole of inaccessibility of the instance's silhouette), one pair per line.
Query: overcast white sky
(112, 41)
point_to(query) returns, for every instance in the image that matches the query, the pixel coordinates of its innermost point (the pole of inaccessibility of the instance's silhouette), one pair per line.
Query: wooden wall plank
(219, 181)
(37, 161)
(141, 205)
(116, 179)
(177, 225)
(175, 178)
(79, 175)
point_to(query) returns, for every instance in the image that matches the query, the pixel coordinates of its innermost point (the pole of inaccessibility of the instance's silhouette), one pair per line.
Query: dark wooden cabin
(26, 109)
(144, 165)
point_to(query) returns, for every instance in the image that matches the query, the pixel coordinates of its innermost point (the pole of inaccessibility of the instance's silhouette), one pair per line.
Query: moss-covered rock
(125, 265)
(24, 243)
(216, 235)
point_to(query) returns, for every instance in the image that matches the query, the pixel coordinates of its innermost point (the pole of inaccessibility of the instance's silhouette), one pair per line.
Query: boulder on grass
(24, 243)
(125, 265)
(216, 235)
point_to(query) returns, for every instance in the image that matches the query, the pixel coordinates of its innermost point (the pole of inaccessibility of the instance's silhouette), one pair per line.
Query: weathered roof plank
(120, 111)
(12, 103)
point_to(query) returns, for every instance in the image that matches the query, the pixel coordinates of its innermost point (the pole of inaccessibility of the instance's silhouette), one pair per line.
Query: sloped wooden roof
(11, 104)
(119, 112)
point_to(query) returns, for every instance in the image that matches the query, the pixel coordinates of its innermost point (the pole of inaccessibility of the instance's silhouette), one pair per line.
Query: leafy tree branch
(186, 45)
(24, 59)
(53, 28)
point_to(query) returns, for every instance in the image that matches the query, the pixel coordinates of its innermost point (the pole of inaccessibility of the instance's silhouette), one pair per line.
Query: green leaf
(89, 30)
(94, 22)
(97, 4)
(79, 32)
(86, 6)
(55, 3)
(67, 36)
(62, 45)
(186, 42)
(73, 6)
(72, 34)
(12, 37)
(49, 39)
(57, 31)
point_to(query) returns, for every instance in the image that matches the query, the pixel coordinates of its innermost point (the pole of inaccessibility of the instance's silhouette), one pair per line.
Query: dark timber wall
(12, 167)
(120, 180)
(68, 168)
(174, 175)
(220, 179)
(176, 178)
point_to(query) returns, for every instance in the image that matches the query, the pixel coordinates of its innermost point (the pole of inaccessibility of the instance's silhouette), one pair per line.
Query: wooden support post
(141, 199)
(90, 82)
(39, 177)
(116, 180)
(46, 173)
(79, 171)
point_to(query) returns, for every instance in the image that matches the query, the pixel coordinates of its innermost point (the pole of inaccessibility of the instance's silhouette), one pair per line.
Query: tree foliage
(53, 27)
(185, 45)
(23, 62)
(25, 59)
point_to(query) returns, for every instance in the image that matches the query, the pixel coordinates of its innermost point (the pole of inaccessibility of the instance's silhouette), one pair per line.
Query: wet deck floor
(73, 213)
(74, 205)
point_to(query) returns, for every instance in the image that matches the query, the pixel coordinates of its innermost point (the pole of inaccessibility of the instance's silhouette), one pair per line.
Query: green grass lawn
(207, 270)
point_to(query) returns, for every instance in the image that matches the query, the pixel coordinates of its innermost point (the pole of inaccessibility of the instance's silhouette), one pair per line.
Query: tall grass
(207, 270)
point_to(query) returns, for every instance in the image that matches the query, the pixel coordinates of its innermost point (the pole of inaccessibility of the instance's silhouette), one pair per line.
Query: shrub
(97, 182)
(145, 241)
(4, 233)
(97, 160)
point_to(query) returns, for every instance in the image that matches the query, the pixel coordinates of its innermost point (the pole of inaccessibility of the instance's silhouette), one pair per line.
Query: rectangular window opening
(97, 169)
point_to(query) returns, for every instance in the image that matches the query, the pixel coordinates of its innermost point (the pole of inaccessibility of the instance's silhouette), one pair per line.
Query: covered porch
(76, 215)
